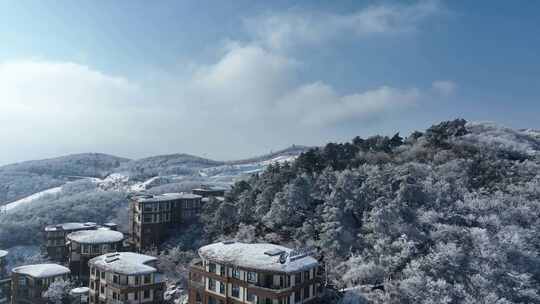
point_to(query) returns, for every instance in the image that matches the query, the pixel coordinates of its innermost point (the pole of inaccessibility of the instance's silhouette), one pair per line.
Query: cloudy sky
(230, 79)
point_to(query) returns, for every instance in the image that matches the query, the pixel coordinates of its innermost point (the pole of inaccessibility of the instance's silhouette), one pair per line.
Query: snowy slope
(29, 199)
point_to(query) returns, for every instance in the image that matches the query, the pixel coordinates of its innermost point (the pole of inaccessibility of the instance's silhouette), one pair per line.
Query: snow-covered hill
(166, 173)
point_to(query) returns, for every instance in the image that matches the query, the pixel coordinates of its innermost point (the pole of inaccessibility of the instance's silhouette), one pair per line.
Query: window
(236, 273)
(306, 275)
(297, 297)
(250, 296)
(146, 294)
(252, 276)
(211, 284)
(212, 267)
(235, 291)
(103, 275)
(297, 278)
(222, 270)
(211, 300)
(147, 218)
(221, 288)
(306, 292)
(147, 279)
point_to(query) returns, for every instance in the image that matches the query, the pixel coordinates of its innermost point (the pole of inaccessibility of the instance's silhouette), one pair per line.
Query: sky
(232, 79)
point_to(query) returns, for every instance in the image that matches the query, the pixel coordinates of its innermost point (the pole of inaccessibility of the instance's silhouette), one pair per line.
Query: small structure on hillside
(125, 277)
(30, 281)
(233, 272)
(88, 244)
(79, 295)
(209, 192)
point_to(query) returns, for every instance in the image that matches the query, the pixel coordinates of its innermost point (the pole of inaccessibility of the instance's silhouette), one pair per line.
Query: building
(125, 277)
(3, 272)
(79, 295)
(5, 281)
(209, 192)
(29, 282)
(55, 238)
(153, 216)
(233, 272)
(87, 244)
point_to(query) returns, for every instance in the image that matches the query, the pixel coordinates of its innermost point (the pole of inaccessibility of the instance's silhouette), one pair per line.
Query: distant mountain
(293, 150)
(172, 164)
(23, 179)
(84, 164)
(172, 172)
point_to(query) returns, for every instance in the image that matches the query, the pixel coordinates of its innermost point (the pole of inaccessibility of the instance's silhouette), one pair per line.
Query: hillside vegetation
(449, 215)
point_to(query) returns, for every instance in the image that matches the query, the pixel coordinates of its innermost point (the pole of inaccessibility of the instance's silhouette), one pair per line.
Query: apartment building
(152, 217)
(30, 281)
(233, 272)
(125, 277)
(55, 239)
(87, 244)
(5, 282)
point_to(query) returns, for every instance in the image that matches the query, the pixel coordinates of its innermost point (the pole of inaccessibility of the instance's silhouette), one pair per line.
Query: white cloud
(251, 99)
(444, 87)
(297, 27)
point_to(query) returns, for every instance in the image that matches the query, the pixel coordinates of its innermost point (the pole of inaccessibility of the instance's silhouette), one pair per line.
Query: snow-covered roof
(166, 197)
(259, 256)
(127, 263)
(71, 226)
(42, 270)
(79, 291)
(3, 253)
(96, 236)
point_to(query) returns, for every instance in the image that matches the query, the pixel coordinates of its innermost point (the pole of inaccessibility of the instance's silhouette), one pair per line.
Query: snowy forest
(448, 215)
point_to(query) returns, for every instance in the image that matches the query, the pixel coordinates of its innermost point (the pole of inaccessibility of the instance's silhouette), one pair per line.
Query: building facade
(232, 272)
(5, 282)
(125, 277)
(55, 239)
(88, 244)
(153, 216)
(30, 281)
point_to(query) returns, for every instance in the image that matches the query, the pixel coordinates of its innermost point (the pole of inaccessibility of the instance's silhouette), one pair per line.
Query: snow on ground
(224, 172)
(29, 199)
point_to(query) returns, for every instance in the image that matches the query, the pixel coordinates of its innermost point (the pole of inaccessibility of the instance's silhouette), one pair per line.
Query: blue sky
(229, 79)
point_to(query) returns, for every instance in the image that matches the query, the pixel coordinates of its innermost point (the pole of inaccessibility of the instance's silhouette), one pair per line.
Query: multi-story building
(29, 282)
(125, 277)
(233, 272)
(55, 238)
(152, 217)
(88, 244)
(5, 282)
